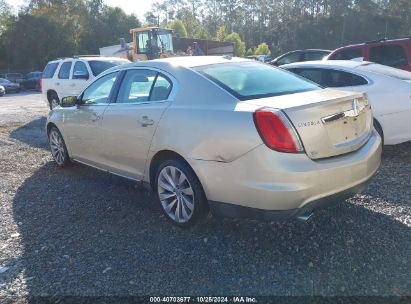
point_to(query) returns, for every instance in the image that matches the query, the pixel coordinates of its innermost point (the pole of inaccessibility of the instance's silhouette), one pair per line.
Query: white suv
(69, 76)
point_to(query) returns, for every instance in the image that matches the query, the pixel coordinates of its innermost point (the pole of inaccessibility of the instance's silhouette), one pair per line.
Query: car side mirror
(81, 75)
(69, 101)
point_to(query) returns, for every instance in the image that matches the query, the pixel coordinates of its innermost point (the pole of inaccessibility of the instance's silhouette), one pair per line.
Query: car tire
(180, 193)
(58, 147)
(53, 101)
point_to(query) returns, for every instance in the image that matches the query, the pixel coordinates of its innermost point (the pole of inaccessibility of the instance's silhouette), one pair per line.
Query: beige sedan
(236, 136)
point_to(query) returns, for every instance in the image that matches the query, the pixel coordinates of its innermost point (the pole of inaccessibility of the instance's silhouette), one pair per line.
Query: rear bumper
(267, 180)
(236, 211)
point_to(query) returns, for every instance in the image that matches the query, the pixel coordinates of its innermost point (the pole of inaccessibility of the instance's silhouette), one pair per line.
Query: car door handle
(95, 117)
(145, 121)
(57, 83)
(73, 85)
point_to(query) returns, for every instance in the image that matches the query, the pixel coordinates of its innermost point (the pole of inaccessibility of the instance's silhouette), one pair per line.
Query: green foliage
(45, 30)
(5, 15)
(179, 30)
(249, 52)
(221, 33)
(239, 44)
(262, 49)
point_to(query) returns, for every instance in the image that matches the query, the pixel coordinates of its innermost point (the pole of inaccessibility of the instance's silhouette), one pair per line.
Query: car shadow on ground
(85, 232)
(32, 133)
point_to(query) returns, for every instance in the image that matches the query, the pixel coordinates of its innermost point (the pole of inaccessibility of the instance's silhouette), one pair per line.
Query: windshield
(251, 80)
(2, 80)
(385, 70)
(99, 66)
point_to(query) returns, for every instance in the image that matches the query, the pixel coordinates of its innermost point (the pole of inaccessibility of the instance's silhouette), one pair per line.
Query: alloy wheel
(176, 194)
(57, 147)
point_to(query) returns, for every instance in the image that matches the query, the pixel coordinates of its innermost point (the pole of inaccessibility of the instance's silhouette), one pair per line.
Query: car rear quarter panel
(205, 122)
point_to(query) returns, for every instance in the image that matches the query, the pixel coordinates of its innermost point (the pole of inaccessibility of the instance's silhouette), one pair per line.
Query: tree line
(284, 25)
(46, 29)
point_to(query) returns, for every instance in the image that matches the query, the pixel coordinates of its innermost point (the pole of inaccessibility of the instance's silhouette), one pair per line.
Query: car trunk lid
(328, 122)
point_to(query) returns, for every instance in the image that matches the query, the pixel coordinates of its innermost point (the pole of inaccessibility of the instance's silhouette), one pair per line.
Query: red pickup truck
(391, 52)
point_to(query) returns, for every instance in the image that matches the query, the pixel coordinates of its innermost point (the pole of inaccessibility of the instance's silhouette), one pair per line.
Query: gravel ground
(79, 231)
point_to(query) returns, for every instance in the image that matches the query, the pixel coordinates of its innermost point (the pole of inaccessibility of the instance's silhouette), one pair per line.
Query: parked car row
(10, 87)
(15, 82)
(391, 52)
(13, 77)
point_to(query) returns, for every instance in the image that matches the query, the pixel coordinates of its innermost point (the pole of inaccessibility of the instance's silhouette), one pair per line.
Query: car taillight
(276, 131)
(41, 84)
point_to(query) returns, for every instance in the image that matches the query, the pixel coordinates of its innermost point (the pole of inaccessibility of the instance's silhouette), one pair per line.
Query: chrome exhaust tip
(305, 217)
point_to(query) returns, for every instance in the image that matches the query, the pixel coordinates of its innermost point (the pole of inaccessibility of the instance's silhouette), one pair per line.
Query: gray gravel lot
(79, 231)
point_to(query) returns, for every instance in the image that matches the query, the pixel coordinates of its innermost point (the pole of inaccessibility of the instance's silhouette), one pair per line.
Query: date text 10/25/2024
(203, 300)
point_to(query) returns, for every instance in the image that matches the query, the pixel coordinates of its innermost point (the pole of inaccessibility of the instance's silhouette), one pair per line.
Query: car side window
(391, 55)
(312, 56)
(161, 89)
(289, 58)
(347, 54)
(136, 86)
(143, 41)
(99, 91)
(338, 79)
(331, 78)
(315, 75)
(50, 69)
(80, 70)
(64, 72)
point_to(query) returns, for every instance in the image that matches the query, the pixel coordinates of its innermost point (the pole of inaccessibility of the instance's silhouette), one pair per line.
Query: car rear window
(252, 80)
(385, 70)
(99, 66)
(392, 55)
(50, 69)
(347, 54)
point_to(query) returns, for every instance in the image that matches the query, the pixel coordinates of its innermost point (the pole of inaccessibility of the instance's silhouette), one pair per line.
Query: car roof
(194, 61)
(327, 63)
(373, 42)
(89, 58)
(184, 61)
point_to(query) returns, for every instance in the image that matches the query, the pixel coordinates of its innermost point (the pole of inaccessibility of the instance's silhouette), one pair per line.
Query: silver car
(234, 136)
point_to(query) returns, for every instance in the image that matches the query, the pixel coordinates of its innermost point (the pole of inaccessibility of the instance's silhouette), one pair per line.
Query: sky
(138, 7)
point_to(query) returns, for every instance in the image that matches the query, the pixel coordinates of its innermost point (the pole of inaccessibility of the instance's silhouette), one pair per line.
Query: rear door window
(64, 72)
(348, 54)
(161, 89)
(142, 86)
(136, 86)
(50, 69)
(80, 70)
(391, 55)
